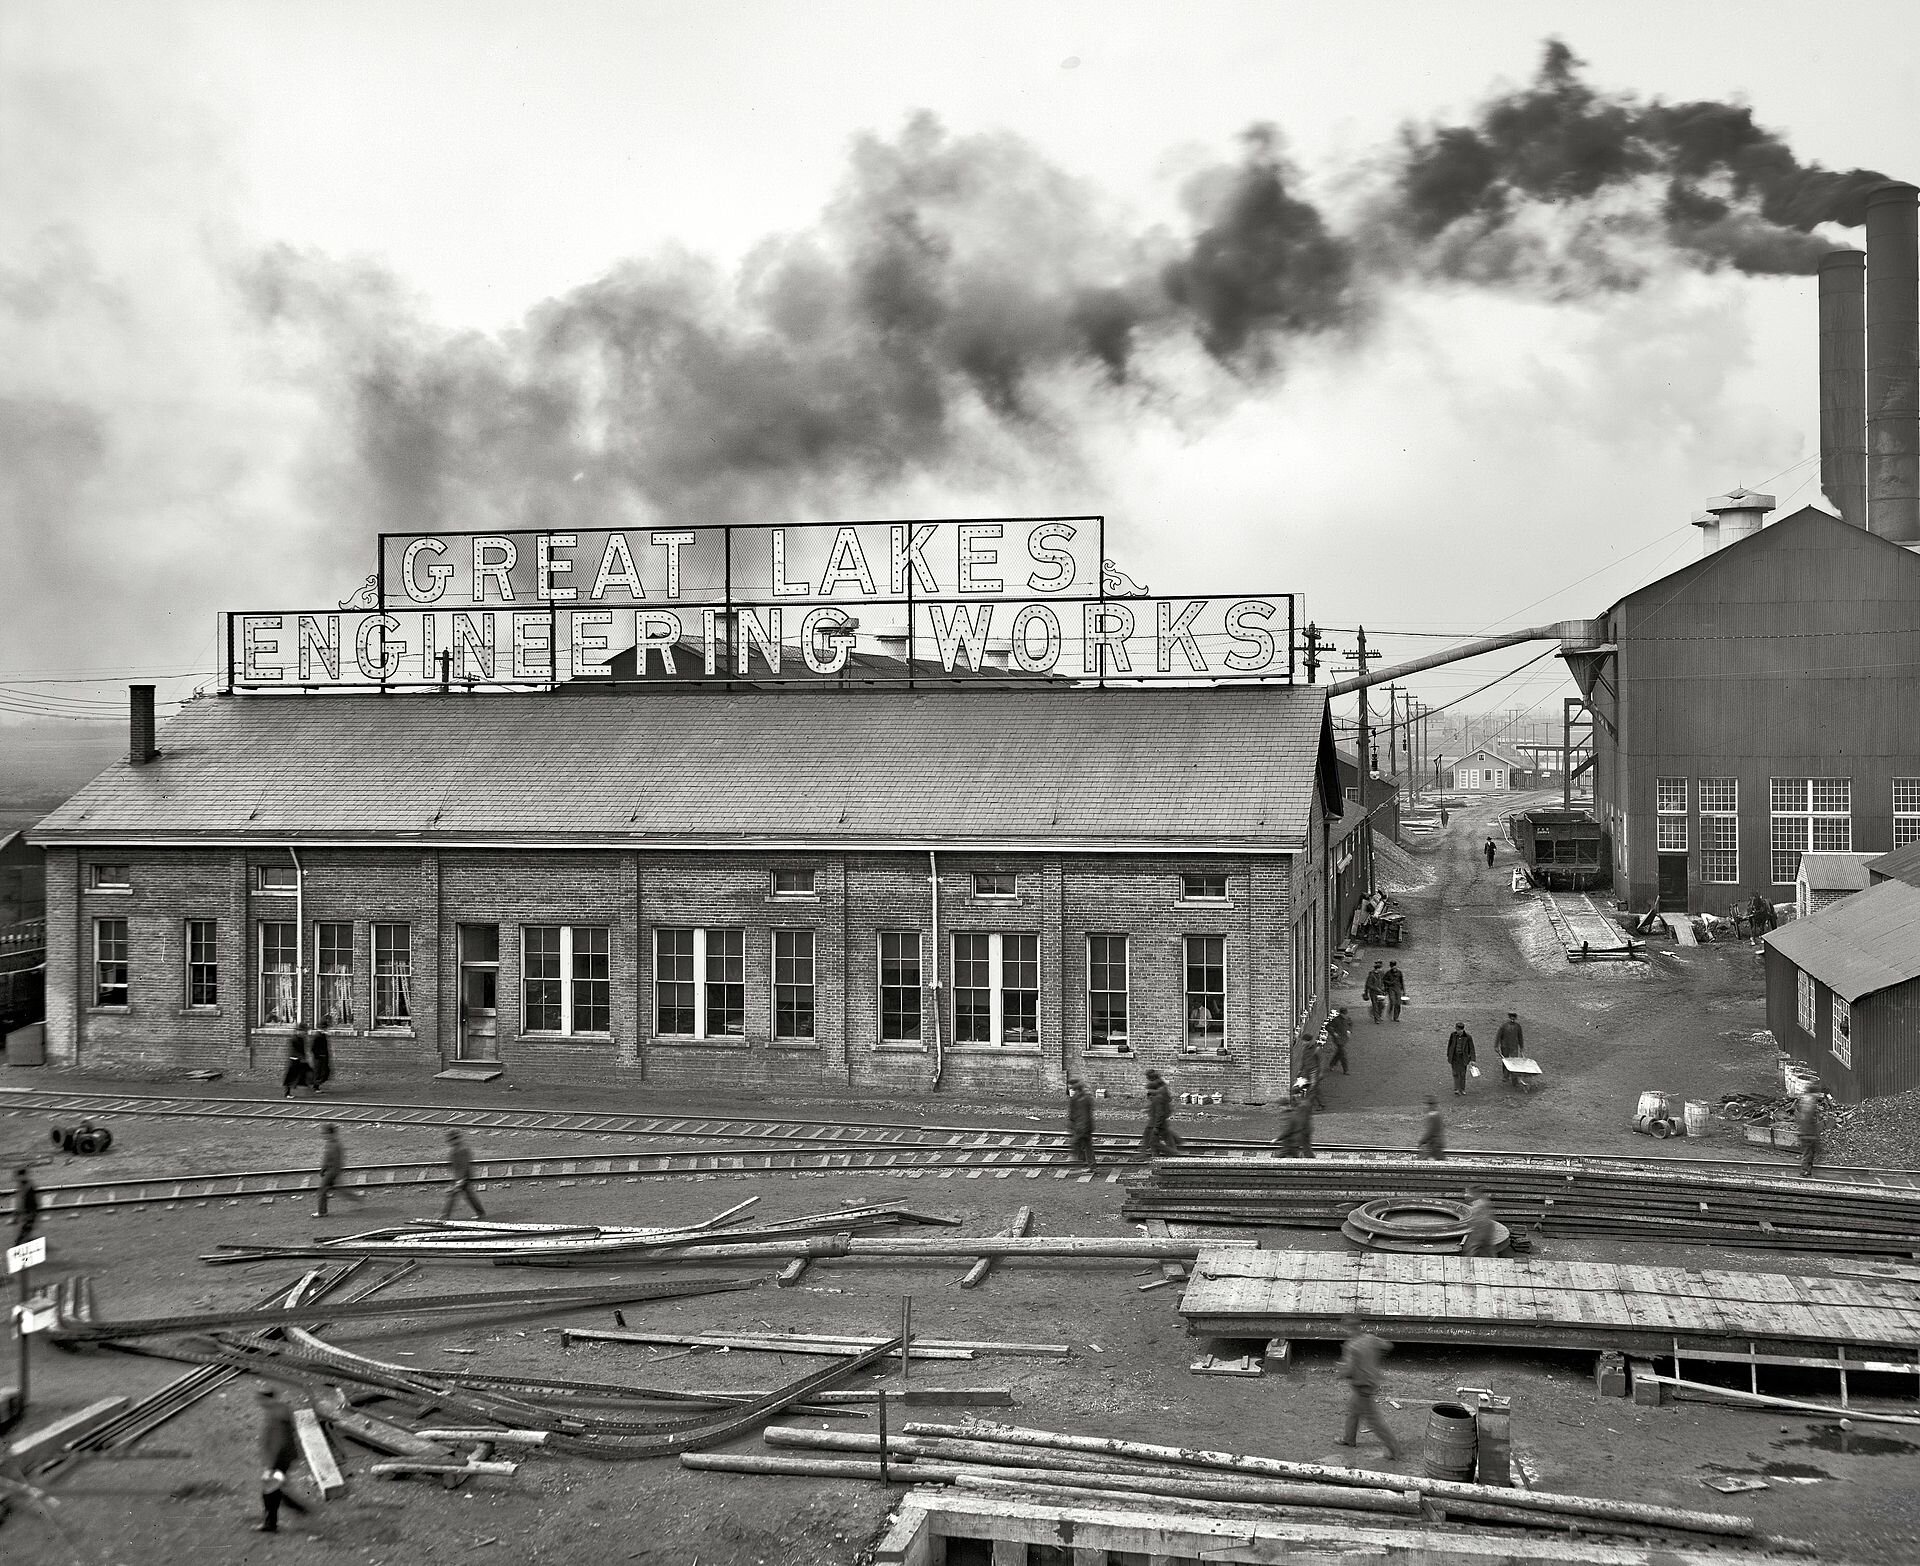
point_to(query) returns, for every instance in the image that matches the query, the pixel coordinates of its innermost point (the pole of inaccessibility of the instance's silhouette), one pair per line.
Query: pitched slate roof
(1903, 864)
(1855, 947)
(1835, 872)
(1214, 767)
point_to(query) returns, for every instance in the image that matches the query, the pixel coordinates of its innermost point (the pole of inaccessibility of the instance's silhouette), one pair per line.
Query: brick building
(867, 890)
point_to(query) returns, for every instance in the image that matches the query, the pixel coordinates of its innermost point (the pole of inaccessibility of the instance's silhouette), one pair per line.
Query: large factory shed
(1843, 992)
(975, 890)
(1758, 704)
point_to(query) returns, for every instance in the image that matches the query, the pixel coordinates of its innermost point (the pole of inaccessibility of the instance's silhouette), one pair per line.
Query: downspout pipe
(933, 882)
(1573, 635)
(299, 936)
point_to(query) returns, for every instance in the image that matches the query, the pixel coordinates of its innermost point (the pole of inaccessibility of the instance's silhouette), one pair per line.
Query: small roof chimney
(140, 746)
(1709, 526)
(1741, 513)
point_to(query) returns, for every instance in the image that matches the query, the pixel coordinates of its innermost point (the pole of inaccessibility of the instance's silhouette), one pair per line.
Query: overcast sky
(234, 236)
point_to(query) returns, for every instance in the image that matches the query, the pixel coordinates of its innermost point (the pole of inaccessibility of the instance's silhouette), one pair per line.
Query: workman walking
(1159, 1134)
(1360, 1358)
(279, 1452)
(1313, 1066)
(1339, 1030)
(460, 1166)
(1374, 991)
(1511, 1043)
(1489, 853)
(1459, 1057)
(1806, 1121)
(333, 1164)
(1433, 1132)
(320, 1057)
(26, 1206)
(1480, 1224)
(1296, 1130)
(1080, 1122)
(299, 1072)
(1395, 984)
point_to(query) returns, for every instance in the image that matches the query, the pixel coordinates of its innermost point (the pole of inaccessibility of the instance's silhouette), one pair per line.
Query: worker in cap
(1459, 1057)
(1360, 1357)
(1510, 1042)
(1339, 1030)
(279, 1453)
(1080, 1122)
(1158, 1135)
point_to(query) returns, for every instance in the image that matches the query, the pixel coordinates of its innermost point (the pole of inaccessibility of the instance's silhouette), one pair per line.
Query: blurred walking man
(1806, 1121)
(26, 1206)
(460, 1166)
(1360, 1358)
(1080, 1122)
(1339, 1030)
(1159, 1136)
(279, 1452)
(1433, 1132)
(1480, 1224)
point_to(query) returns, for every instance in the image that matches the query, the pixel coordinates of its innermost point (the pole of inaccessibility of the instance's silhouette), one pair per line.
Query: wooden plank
(319, 1455)
(49, 1441)
(1022, 1221)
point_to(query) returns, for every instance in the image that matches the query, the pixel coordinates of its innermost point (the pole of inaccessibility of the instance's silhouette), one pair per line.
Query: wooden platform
(1554, 1304)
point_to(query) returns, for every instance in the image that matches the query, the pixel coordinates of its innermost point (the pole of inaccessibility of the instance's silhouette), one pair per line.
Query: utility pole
(1364, 750)
(1313, 651)
(1393, 732)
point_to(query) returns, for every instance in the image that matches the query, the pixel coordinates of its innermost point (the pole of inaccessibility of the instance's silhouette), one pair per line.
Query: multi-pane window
(203, 962)
(793, 883)
(1720, 831)
(333, 975)
(110, 878)
(564, 982)
(700, 983)
(900, 986)
(1842, 1042)
(1206, 991)
(392, 975)
(995, 883)
(1809, 815)
(1106, 989)
(793, 984)
(110, 962)
(996, 988)
(276, 878)
(1906, 811)
(1670, 800)
(1206, 887)
(1804, 1004)
(279, 972)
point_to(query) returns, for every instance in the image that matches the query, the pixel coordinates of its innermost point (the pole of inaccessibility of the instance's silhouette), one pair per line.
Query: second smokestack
(1843, 383)
(1893, 363)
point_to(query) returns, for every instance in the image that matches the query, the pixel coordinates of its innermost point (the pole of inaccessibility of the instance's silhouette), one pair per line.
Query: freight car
(1563, 850)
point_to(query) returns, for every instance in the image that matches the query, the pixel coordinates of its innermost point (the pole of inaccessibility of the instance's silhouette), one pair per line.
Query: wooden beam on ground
(493, 1437)
(320, 1460)
(789, 1275)
(396, 1470)
(49, 1441)
(816, 1343)
(977, 1273)
(1170, 1271)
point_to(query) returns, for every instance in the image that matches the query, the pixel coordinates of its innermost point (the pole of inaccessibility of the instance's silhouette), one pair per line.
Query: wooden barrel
(1450, 1442)
(1653, 1125)
(1652, 1106)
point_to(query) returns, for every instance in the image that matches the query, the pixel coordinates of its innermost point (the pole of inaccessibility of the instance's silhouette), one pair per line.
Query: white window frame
(880, 988)
(566, 1030)
(1803, 1002)
(401, 978)
(1670, 817)
(996, 987)
(1840, 1031)
(1719, 811)
(700, 1031)
(1805, 820)
(996, 897)
(345, 1021)
(263, 885)
(188, 965)
(1188, 895)
(124, 962)
(1125, 992)
(807, 893)
(1906, 811)
(265, 974)
(97, 878)
(812, 986)
(1208, 1042)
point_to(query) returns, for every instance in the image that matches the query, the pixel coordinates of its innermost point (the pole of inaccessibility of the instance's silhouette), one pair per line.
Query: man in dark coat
(1806, 1121)
(1433, 1132)
(1296, 1129)
(279, 1452)
(460, 1167)
(26, 1206)
(1360, 1358)
(1159, 1135)
(1374, 991)
(1395, 984)
(1080, 1122)
(1510, 1042)
(1339, 1030)
(1459, 1057)
(320, 1057)
(299, 1072)
(1489, 853)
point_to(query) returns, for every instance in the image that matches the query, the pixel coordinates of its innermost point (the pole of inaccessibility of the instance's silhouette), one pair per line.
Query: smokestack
(1893, 363)
(140, 749)
(1843, 384)
(1739, 513)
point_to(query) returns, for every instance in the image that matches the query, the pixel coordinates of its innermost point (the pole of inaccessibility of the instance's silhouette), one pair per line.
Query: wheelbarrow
(1520, 1071)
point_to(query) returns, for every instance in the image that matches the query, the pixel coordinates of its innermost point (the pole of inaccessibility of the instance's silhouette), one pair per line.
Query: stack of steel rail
(1551, 1195)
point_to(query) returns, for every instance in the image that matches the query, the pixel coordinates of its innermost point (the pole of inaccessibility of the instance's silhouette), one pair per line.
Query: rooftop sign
(875, 601)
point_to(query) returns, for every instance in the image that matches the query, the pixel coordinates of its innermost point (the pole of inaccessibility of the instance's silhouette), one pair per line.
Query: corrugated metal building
(1755, 705)
(759, 889)
(1843, 992)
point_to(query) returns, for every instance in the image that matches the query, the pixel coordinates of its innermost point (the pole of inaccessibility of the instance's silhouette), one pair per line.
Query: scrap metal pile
(1550, 1196)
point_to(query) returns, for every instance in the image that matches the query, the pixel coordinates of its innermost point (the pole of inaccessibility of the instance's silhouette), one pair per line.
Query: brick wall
(1061, 899)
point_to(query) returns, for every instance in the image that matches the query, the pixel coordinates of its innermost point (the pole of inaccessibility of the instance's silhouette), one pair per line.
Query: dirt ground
(1685, 1023)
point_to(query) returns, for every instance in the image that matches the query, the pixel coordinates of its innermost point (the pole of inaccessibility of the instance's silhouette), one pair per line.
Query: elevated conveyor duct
(1572, 635)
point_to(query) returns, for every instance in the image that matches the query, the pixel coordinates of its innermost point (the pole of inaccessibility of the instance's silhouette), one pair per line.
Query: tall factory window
(1906, 811)
(392, 975)
(110, 962)
(726, 983)
(1106, 989)
(203, 963)
(540, 976)
(674, 984)
(1809, 815)
(700, 983)
(1206, 991)
(1720, 831)
(564, 979)
(793, 984)
(333, 993)
(996, 989)
(279, 980)
(591, 1000)
(1842, 1044)
(1804, 1004)
(1670, 799)
(900, 986)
